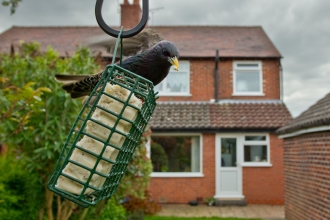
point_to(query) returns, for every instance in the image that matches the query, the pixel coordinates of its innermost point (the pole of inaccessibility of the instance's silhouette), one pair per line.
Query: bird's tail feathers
(67, 79)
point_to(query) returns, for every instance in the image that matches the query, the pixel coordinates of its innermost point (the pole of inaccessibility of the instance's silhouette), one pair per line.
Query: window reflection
(228, 152)
(177, 82)
(255, 153)
(175, 153)
(255, 138)
(247, 81)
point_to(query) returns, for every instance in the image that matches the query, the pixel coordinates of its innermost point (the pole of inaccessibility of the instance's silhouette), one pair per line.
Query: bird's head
(167, 52)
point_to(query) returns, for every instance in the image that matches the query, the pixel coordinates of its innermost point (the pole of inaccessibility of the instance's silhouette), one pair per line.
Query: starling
(153, 60)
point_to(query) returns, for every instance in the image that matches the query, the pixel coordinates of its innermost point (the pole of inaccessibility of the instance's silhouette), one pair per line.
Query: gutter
(216, 77)
(281, 82)
(305, 131)
(213, 130)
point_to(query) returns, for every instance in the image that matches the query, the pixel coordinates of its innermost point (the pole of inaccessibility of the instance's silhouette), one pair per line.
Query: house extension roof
(230, 116)
(192, 41)
(317, 115)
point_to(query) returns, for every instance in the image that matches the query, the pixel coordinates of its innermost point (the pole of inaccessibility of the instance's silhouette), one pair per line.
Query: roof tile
(215, 116)
(192, 41)
(317, 115)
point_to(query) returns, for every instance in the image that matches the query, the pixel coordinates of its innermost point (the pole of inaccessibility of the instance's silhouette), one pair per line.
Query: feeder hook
(125, 34)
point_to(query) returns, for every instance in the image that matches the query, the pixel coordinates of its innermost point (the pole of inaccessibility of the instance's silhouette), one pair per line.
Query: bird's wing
(131, 46)
(78, 85)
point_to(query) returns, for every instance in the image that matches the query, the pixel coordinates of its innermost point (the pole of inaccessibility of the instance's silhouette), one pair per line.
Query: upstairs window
(177, 82)
(247, 78)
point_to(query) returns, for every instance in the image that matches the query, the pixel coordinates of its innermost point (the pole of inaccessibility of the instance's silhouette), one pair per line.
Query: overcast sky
(300, 29)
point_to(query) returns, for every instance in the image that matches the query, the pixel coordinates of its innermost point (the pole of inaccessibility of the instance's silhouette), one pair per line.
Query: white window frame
(179, 174)
(259, 68)
(261, 142)
(162, 93)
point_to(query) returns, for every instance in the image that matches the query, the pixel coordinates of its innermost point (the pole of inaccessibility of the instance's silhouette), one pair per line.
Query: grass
(194, 218)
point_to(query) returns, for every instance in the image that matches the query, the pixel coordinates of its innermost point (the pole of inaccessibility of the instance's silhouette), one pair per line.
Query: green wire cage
(104, 136)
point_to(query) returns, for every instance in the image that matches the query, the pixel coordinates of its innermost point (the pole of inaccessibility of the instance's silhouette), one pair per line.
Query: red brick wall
(202, 81)
(183, 190)
(265, 185)
(271, 78)
(307, 176)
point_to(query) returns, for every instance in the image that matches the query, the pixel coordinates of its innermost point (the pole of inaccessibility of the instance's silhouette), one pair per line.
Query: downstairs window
(176, 155)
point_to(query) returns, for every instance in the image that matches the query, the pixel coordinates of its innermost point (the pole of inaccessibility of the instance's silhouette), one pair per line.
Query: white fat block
(76, 172)
(69, 185)
(103, 132)
(92, 145)
(98, 181)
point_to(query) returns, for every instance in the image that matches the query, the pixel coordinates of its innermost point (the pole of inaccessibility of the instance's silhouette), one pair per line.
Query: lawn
(194, 218)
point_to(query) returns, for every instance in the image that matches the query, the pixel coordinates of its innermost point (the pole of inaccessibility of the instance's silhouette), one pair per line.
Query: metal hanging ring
(125, 34)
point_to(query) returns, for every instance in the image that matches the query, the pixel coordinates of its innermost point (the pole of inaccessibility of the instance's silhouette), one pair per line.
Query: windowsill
(256, 164)
(174, 94)
(248, 94)
(176, 174)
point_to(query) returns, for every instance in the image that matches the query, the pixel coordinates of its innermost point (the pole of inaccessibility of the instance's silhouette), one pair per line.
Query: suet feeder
(102, 141)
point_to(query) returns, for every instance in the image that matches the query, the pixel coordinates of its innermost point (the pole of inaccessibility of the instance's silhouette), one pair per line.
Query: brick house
(213, 128)
(306, 163)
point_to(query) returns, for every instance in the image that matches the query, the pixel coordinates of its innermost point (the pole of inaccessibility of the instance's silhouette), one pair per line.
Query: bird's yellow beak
(175, 62)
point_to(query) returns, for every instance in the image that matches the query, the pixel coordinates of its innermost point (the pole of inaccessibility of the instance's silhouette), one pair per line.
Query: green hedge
(19, 191)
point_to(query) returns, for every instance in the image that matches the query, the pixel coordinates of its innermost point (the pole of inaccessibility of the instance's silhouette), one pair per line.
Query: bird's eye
(166, 53)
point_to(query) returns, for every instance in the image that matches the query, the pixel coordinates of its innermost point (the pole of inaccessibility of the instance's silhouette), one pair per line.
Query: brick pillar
(130, 14)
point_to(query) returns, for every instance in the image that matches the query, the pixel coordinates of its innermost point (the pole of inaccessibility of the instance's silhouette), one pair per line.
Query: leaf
(14, 119)
(37, 98)
(39, 150)
(44, 89)
(3, 79)
(29, 84)
(49, 154)
(5, 3)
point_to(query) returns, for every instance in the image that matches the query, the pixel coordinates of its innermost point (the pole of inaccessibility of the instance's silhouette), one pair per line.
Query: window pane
(255, 138)
(255, 153)
(159, 87)
(176, 82)
(175, 153)
(248, 65)
(247, 81)
(183, 66)
(228, 152)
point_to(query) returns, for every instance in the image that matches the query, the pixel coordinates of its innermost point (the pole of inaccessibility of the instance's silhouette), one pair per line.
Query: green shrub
(159, 158)
(36, 115)
(113, 211)
(136, 179)
(19, 191)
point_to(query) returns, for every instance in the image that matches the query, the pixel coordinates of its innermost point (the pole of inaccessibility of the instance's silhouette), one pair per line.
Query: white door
(229, 169)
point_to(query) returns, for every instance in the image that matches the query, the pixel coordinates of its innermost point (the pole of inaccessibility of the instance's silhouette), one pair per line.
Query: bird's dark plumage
(79, 85)
(153, 64)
